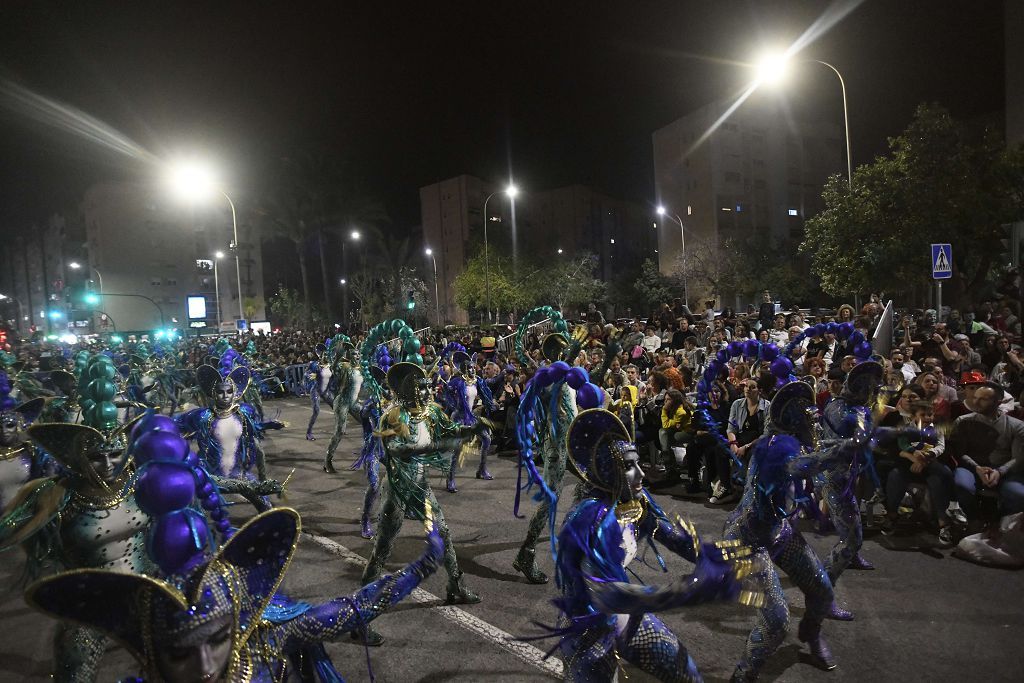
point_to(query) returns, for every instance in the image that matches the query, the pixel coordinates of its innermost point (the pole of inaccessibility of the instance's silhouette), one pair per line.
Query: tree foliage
(939, 183)
(654, 287)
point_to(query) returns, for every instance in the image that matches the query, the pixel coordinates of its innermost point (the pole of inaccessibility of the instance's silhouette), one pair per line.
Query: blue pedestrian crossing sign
(942, 261)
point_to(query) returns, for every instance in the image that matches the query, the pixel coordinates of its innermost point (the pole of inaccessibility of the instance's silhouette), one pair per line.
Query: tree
(287, 307)
(568, 283)
(939, 183)
(507, 293)
(711, 268)
(281, 213)
(654, 287)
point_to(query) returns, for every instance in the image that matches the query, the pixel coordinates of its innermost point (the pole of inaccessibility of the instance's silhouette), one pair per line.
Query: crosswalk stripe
(522, 651)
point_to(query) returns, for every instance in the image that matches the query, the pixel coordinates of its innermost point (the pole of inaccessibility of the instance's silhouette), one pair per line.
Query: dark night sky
(410, 93)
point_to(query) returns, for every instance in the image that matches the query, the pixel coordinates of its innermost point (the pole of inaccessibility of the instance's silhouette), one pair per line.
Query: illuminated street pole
(437, 302)
(511, 191)
(682, 237)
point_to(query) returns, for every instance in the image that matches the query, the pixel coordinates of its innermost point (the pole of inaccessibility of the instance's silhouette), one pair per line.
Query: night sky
(410, 93)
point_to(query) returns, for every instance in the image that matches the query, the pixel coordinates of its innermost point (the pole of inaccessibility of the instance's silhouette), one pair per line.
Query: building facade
(147, 254)
(542, 225)
(756, 171)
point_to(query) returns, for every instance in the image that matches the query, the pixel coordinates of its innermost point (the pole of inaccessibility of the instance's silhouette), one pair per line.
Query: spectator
(766, 313)
(652, 341)
(746, 424)
(898, 360)
(937, 394)
(835, 379)
(920, 462)
(676, 414)
(1001, 468)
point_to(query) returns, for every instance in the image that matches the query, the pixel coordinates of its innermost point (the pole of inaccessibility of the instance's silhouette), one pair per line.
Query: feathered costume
(461, 393)
(88, 518)
(347, 380)
(318, 382)
(204, 595)
(417, 435)
(372, 451)
(20, 460)
(604, 617)
(228, 434)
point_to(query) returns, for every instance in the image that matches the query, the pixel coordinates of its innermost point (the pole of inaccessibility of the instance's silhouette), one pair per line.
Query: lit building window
(613, 240)
(794, 212)
(689, 210)
(726, 208)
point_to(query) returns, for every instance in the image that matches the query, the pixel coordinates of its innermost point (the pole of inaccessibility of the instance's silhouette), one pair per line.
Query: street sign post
(942, 269)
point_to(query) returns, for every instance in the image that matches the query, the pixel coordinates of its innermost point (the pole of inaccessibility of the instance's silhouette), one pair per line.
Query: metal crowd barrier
(294, 379)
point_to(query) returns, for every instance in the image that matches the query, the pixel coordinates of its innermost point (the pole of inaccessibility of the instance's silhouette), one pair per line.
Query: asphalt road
(921, 616)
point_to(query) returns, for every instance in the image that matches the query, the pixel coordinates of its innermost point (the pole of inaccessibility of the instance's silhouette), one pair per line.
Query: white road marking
(523, 651)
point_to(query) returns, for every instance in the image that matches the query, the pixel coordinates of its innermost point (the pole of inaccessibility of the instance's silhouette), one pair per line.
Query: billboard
(196, 307)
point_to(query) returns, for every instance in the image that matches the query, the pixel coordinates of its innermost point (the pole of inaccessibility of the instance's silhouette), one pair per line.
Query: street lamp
(355, 236)
(195, 181)
(663, 212)
(771, 70)
(217, 256)
(511, 191)
(437, 301)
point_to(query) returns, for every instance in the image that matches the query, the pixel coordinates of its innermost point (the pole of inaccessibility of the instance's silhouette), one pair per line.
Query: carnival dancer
(761, 520)
(417, 435)
(228, 434)
(87, 517)
(551, 409)
(219, 616)
(461, 394)
(843, 418)
(20, 460)
(605, 618)
(373, 448)
(318, 381)
(347, 380)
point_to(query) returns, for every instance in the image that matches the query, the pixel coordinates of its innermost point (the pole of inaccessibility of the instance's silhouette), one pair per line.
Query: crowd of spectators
(963, 373)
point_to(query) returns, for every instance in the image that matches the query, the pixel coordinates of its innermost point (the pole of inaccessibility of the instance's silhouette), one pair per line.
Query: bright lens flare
(192, 180)
(772, 68)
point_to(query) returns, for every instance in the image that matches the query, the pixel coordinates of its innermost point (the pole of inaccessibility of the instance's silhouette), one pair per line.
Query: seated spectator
(898, 360)
(676, 413)
(815, 367)
(746, 424)
(920, 462)
(937, 393)
(652, 341)
(995, 463)
(835, 379)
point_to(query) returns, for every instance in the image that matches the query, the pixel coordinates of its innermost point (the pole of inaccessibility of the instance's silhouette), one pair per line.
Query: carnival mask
(224, 394)
(634, 476)
(10, 428)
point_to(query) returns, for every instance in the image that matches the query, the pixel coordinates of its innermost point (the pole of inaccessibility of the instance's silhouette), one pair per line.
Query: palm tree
(281, 213)
(333, 203)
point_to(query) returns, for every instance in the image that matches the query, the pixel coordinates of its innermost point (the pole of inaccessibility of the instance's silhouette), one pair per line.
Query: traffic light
(92, 298)
(411, 300)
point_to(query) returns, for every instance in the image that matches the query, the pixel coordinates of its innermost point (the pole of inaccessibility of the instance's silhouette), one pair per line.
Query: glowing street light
(662, 211)
(511, 191)
(772, 68)
(343, 281)
(437, 301)
(217, 256)
(355, 235)
(195, 181)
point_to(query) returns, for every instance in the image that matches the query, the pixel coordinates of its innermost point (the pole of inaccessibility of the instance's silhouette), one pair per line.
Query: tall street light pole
(194, 180)
(511, 191)
(75, 265)
(355, 236)
(216, 285)
(773, 68)
(682, 238)
(437, 301)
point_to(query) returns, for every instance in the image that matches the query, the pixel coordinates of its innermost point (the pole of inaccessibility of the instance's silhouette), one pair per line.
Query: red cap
(973, 377)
